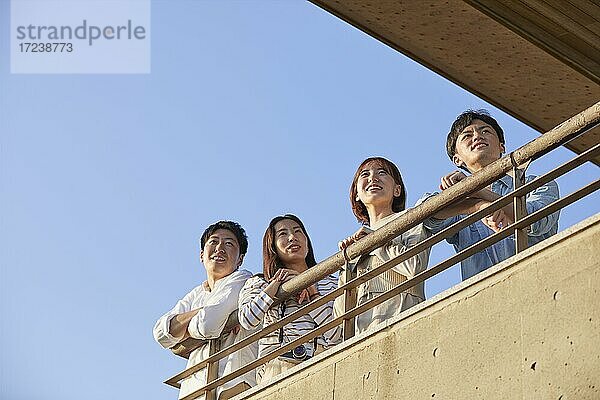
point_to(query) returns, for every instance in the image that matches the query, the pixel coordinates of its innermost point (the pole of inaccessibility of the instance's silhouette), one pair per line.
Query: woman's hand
(282, 275)
(307, 294)
(359, 234)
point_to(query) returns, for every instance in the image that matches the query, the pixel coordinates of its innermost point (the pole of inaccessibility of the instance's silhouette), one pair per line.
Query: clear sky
(252, 109)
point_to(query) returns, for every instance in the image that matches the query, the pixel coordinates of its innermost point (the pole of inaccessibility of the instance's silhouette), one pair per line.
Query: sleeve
(338, 303)
(253, 303)
(539, 199)
(324, 314)
(434, 225)
(161, 328)
(210, 320)
(408, 239)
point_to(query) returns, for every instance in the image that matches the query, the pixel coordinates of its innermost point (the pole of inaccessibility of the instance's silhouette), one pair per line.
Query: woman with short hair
(377, 197)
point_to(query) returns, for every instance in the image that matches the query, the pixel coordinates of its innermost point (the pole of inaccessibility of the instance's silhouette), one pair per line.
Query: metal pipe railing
(571, 128)
(423, 245)
(558, 136)
(551, 208)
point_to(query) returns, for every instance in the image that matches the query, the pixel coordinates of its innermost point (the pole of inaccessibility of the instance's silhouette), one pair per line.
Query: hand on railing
(308, 294)
(356, 236)
(283, 275)
(496, 221)
(456, 176)
(451, 179)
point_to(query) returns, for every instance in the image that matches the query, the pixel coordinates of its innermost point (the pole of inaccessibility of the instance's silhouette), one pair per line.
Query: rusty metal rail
(405, 285)
(510, 164)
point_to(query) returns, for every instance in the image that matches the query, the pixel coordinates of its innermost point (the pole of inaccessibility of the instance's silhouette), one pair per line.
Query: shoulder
(242, 273)
(256, 281)
(529, 178)
(416, 231)
(426, 196)
(551, 187)
(197, 291)
(233, 281)
(195, 294)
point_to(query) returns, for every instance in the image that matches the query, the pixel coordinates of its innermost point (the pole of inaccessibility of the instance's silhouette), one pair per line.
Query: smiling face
(375, 186)
(221, 254)
(477, 146)
(389, 170)
(290, 243)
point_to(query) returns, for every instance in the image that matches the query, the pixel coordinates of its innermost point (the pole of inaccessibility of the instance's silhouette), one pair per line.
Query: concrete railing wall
(528, 328)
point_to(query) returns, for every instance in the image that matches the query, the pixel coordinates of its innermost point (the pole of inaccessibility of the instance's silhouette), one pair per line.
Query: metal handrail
(573, 127)
(549, 209)
(419, 247)
(566, 131)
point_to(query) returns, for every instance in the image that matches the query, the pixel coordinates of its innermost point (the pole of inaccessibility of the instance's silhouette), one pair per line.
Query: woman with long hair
(378, 196)
(287, 252)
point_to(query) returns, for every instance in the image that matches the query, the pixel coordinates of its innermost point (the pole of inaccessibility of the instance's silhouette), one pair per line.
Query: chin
(293, 259)
(223, 269)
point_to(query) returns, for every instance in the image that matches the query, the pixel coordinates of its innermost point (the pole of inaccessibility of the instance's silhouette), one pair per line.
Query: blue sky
(252, 109)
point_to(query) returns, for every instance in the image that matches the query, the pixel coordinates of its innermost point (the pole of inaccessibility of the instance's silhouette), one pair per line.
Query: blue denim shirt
(505, 248)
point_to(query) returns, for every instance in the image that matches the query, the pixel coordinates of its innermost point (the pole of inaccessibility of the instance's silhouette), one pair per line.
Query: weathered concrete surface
(528, 328)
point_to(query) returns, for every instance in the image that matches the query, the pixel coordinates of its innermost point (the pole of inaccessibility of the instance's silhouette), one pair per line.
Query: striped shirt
(255, 310)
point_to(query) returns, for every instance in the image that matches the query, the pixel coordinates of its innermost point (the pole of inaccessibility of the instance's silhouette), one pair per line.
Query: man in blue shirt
(475, 141)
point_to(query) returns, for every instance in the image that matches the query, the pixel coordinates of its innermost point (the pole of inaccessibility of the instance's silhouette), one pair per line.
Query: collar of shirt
(503, 185)
(220, 282)
(385, 220)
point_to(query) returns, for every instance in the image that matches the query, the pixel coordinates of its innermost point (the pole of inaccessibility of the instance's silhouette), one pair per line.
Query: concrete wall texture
(528, 328)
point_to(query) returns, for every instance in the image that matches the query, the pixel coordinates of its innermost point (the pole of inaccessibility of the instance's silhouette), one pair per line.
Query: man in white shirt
(203, 312)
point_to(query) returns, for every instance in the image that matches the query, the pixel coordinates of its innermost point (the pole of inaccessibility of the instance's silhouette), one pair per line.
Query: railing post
(349, 303)
(212, 369)
(506, 165)
(519, 207)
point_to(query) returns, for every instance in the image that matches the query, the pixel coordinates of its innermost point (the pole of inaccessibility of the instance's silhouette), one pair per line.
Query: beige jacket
(389, 279)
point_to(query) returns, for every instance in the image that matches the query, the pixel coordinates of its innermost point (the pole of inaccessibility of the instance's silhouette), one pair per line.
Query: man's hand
(496, 221)
(451, 179)
(359, 234)
(179, 324)
(474, 202)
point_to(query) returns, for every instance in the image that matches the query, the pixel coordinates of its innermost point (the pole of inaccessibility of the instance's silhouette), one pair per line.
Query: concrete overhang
(539, 61)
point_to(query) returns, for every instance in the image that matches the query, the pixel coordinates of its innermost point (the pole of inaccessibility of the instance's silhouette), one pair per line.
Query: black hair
(465, 119)
(271, 260)
(233, 227)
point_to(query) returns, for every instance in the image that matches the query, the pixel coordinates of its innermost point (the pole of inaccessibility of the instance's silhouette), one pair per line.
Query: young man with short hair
(476, 140)
(203, 312)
